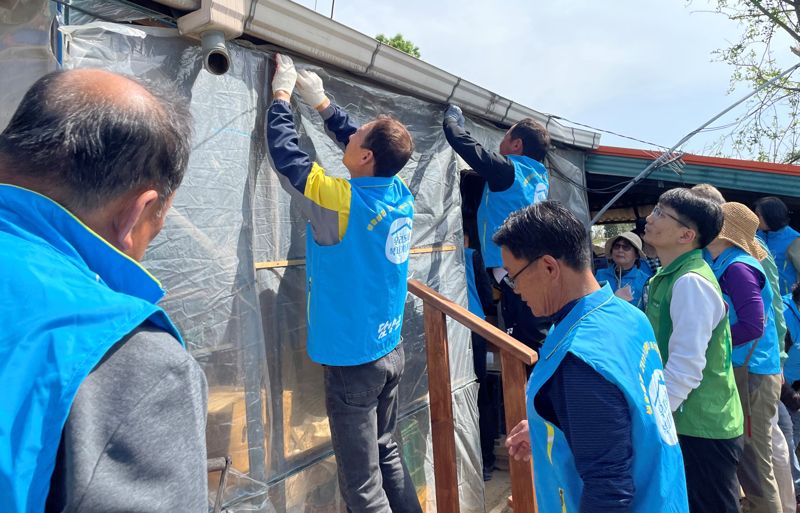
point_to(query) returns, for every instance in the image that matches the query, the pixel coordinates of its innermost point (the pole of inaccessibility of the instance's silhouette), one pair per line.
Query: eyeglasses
(659, 212)
(510, 280)
(622, 246)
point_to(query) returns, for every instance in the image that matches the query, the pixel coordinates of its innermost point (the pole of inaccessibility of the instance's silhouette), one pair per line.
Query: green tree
(770, 128)
(612, 230)
(401, 43)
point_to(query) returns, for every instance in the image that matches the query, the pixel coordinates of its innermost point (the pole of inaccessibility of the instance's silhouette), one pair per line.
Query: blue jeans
(362, 411)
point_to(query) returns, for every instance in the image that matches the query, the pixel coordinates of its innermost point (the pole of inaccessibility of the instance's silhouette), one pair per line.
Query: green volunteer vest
(712, 410)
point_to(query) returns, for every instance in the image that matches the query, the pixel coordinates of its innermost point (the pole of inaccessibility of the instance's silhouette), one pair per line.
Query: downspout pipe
(216, 59)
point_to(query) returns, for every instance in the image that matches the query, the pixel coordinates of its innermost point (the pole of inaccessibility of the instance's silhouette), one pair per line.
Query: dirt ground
(498, 490)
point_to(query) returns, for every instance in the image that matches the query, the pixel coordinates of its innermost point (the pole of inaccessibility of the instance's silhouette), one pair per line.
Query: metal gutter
(305, 32)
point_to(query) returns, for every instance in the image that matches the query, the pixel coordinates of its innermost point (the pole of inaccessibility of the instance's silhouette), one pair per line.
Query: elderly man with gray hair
(103, 409)
(598, 442)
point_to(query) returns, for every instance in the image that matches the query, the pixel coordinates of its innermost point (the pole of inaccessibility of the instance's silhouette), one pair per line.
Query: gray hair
(92, 149)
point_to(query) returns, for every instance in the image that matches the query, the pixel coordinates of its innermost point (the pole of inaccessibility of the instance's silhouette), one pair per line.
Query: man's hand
(310, 87)
(454, 112)
(518, 442)
(284, 78)
(625, 293)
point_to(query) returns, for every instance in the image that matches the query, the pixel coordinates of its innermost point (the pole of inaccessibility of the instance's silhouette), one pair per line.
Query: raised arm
(495, 168)
(282, 140)
(325, 199)
(337, 121)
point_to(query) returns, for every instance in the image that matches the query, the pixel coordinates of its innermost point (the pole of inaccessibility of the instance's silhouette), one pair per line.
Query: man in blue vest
(103, 409)
(599, 426)
(515, 178)
(357, 247)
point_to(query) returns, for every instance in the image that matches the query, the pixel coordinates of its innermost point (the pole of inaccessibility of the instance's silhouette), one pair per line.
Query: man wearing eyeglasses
(687, 311)
(599, 426)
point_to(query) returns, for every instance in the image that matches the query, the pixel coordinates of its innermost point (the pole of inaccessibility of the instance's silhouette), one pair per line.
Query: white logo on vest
(540, 193)
(660, 402)
(398, 242)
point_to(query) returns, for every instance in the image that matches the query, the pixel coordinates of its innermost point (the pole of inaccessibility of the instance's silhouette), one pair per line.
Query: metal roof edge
(701, 160)
(304, 31)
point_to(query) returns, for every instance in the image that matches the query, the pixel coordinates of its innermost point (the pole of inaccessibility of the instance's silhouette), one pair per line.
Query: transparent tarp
(231, 257)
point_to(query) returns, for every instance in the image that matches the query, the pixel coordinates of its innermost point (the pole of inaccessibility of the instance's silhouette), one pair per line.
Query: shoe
(487, 475)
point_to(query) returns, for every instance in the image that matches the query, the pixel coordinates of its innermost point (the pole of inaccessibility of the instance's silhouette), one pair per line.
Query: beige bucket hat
(631, 237)
(739, 228)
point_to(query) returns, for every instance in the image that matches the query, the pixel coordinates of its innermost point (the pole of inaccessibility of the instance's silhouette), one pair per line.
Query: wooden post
(442, 426)
(514, 383)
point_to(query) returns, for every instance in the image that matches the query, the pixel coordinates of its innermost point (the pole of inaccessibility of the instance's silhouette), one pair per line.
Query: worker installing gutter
(301, 30)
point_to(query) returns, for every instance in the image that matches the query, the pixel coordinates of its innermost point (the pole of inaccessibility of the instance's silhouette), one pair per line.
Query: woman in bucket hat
(624, 276)
(735, 257)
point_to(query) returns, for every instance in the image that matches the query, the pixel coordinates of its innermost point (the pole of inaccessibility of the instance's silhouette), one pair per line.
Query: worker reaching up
(515, 178)
(357, 249)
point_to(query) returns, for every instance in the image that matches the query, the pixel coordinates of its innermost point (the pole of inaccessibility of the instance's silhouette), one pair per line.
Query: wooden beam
(515, 380)
(494, 336)
(442, 425)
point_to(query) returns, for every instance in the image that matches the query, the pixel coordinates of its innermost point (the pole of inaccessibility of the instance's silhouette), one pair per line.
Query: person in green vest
(687, 312)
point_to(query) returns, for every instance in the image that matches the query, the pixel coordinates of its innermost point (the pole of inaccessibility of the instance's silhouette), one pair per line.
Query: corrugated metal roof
(752, 176)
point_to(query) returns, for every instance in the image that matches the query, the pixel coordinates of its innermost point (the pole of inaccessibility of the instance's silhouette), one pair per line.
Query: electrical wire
(607, 131)
(664, 156)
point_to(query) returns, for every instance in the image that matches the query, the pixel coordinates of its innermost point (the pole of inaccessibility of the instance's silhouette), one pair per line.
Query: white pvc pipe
(182, 5)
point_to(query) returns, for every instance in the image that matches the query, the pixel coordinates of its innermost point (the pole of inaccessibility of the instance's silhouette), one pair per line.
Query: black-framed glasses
(509, 280)
(659, 212)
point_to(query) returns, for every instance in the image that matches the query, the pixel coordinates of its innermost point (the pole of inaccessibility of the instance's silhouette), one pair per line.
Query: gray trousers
(362, 411)
(756, 473)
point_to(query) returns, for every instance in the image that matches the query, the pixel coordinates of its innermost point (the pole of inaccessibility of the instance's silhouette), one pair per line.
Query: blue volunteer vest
(629, 359)
(778, 243)
(530, 186)
(766, 358)
(356, 289)
(636, 278)
(473, 301)
(791, 367)
(66, 297)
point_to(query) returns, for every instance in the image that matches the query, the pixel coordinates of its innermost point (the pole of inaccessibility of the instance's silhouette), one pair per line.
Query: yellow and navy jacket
(357, 246)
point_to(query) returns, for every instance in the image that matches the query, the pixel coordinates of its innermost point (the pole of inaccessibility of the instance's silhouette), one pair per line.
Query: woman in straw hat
(734, 257)
(627, 280)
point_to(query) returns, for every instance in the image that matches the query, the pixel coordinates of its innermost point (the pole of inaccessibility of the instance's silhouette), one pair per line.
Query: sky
(641, 69)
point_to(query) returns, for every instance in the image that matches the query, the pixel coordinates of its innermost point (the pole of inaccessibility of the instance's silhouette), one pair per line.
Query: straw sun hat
(739, 228)
(631, 237)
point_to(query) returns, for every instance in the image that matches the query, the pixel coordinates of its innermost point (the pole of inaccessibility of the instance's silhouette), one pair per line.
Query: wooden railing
(515, 357)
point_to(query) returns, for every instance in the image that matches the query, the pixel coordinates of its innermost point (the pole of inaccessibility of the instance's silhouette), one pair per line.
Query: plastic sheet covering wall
(24, 48)
(247, 327)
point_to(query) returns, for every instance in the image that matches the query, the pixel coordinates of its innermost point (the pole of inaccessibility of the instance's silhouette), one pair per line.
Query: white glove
(285, 74)
(310, 87)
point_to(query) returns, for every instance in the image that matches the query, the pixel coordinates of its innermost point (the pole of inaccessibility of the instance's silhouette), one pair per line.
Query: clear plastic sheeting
(24, 48)
(246, 327)
(568, 182)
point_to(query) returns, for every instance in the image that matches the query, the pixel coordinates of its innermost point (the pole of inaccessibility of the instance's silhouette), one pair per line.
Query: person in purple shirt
(735, 256)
